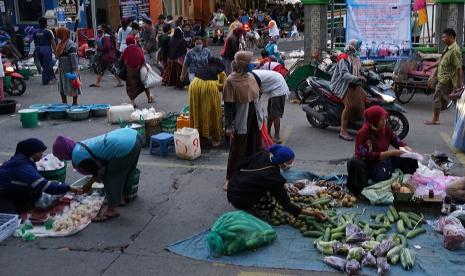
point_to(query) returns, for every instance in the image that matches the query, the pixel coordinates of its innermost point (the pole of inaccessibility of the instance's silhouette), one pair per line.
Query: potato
(396, 186)
(405, 190)
(345, 200)
(353, 199)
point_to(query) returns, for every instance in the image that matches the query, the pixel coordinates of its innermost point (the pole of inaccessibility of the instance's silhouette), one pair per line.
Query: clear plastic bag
(444, 221)
(454, 236)
(238, 231)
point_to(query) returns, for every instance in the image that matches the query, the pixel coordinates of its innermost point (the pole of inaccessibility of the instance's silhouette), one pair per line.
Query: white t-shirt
(273, 83)
(268, 66)
(122, 35)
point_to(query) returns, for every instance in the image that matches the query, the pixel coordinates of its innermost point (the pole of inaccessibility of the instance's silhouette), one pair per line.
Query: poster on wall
(71, 7)
(134, 8)
(382, 25)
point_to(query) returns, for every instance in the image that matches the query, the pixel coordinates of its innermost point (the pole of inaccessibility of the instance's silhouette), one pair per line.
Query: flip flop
(120, 85)
(103, 218)
(94, 85)
(432, 123)
(345, 138)
(151, 99)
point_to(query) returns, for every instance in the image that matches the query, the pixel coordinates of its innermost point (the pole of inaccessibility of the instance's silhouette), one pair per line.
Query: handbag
(102, 164)
(456, 93)
(148, 77)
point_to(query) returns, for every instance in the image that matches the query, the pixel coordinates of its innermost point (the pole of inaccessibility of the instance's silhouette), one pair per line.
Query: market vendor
(258, 185)
(110, 158)
(21, 185)
(373, 159)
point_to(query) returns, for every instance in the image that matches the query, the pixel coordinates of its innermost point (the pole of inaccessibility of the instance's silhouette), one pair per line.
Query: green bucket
(57, 175)
(29, 117)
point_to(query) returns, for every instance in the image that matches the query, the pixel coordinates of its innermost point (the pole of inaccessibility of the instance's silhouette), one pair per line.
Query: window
(173, 7)
(28, 11)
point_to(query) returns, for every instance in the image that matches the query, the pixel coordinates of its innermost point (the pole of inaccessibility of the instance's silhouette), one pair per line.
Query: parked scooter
(325, 109)
(13, 82)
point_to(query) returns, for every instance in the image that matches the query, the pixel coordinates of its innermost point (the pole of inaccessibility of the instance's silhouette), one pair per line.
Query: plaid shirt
(451, 60)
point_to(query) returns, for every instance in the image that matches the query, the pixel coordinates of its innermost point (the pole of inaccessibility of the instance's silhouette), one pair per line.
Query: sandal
(346, 138)
(94, 85)
(120, 85)
(104, 217)
(432, 123)
(151, 99)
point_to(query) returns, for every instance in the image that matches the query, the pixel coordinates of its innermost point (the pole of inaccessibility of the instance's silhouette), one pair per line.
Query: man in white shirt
(273, 84)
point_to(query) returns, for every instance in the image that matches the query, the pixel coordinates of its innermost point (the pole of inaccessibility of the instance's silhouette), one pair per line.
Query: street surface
(176, 198)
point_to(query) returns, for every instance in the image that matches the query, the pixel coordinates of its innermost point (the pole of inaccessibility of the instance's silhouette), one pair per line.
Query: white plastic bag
(117, 112)
(148, 77)
(187, 143)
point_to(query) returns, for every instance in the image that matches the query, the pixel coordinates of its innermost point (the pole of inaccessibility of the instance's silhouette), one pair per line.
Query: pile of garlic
(77, 215)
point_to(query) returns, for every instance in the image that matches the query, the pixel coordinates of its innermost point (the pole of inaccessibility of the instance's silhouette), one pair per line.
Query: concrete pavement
(176, 198)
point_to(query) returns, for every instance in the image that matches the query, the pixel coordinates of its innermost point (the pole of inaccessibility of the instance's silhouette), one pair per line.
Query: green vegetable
(394, 212)
(402, 239)
(390, 216)
(326, 248)
(406, 219)
(414, 216)
(379, 231)
(379, 217)
(394, 251)
(413, 233)
(317, 226)
(355, 253)
(313, 234)
(339, 229)
(380, 237)
(407, 258)
(327, 234)
(380, 225)
(395, 259)
(369, 245)
(337, 236)
(332, 222)
(400, 226)
(321, 201)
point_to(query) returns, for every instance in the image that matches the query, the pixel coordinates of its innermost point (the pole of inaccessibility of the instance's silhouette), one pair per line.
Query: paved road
(176, 198)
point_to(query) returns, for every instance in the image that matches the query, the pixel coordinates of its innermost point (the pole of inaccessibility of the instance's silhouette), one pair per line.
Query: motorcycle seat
(324, 84)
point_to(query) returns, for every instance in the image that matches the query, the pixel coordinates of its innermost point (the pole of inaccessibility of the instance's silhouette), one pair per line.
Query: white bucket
(187, 143)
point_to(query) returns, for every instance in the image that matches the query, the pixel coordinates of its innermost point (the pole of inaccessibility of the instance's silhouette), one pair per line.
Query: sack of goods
(187, 143)
(238, 231)
(148, 77)
(120, 112)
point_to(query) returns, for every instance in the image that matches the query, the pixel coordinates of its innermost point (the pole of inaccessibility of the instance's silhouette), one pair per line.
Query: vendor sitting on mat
(258, 184)
(373, 159)
(21, 185)
(110, 158)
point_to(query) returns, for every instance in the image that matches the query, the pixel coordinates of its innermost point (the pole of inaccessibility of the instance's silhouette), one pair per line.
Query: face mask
(198, 47)
(286, 167)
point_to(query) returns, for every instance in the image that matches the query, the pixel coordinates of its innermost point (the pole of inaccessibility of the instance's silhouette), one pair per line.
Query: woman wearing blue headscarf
(258, 184)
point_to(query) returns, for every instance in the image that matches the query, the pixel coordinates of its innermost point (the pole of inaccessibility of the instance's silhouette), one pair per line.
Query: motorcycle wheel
(300, 89)
(317, 106)
(17, 87)
(404, 95)
(399, 124)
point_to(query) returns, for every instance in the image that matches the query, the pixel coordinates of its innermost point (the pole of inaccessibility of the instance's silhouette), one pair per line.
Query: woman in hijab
(110, 158)
(343, 85)
(205, 100)
(231, 47)
(133, 58)
(258, 184)
(21, 185)
(177, 52)
(272, 49)
(373, 159)
(68, 66)
(243, 113)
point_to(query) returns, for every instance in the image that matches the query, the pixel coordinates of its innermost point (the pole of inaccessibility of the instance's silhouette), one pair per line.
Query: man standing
(160, 24)
(273, 84)
(149, 41)
(449, 74)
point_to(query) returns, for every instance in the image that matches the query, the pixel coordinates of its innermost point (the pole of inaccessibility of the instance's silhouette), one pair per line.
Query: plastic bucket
(29, 117)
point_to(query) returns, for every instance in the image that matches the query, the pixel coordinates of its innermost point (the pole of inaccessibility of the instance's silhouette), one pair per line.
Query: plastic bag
(412, 155)
(148, 77)
(336, 262)
(425, 175)
(267, 142)
(460, 214)
(46, 201)
(454, 236)
(369, 260)
(383, 266)
(238, 231)
(352, 267)
(310, 188)
(380, 193)
(443, 221)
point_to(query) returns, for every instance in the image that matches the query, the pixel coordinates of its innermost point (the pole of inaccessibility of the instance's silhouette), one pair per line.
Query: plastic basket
(57, 175)
(131, 192)
(168, 124)
(8, 225)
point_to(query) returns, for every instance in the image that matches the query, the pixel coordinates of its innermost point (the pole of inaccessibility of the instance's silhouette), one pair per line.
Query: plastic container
(404, 197)
(187, 143)
(57, 175)
(29, 118)
(182, 121)
(168, 124)
(120, 112)
(58, 113)
(7, 107)
(8, 225)
(81, 182)
(78, 113)
(99, 110)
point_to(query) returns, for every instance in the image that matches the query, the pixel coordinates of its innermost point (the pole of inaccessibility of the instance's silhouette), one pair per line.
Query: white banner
(382, 25)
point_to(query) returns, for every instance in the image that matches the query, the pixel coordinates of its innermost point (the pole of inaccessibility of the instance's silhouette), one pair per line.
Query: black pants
(359, 172)
(19, 202)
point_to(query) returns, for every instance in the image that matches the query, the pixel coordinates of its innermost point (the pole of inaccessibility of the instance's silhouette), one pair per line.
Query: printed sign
(71, 7)
(383, 26)
(61, 15)
(134, 8)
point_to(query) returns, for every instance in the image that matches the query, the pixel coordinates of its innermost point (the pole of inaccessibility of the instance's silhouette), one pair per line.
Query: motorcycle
(16, 86)
(325, 109)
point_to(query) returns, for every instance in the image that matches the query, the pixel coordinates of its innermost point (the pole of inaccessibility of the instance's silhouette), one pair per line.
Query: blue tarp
(293, 251)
